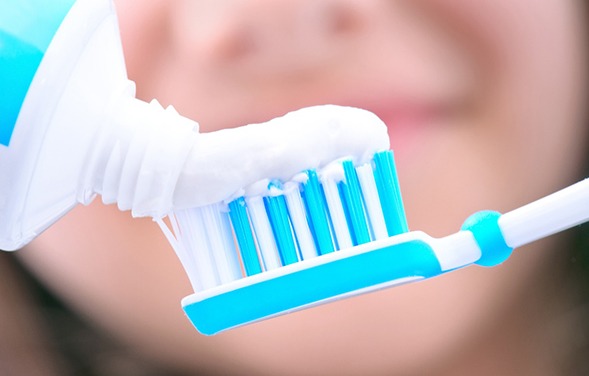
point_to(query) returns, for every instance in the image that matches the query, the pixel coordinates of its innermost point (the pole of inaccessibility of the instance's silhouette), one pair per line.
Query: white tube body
(80, 132)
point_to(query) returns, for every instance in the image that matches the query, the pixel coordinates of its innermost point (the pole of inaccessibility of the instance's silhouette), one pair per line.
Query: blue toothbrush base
(340, 274)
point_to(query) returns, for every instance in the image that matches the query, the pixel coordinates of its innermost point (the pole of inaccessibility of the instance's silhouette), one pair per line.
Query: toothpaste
(224, 163)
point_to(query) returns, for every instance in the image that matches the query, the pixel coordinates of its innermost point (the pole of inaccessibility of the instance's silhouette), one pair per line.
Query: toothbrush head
(245, 257)
(333, 233)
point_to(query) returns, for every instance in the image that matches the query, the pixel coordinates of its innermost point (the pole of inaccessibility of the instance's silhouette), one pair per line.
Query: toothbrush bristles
(335, 208)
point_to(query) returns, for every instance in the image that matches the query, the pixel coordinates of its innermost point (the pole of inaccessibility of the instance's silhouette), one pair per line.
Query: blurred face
(483, 101)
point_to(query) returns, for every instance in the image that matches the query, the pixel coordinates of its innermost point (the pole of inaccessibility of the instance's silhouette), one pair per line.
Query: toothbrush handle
(554, 213)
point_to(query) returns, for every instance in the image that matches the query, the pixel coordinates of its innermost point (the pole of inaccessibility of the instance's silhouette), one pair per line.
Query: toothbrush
(333, 233)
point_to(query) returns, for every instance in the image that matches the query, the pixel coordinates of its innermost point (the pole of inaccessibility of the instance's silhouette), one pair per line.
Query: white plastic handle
(554, 213)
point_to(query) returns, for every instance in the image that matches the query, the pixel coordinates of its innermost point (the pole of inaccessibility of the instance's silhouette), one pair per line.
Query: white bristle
(196, 240)
(263, 230)
(233, 257)
(220, 244)
(372, 201)
(336, 210)
(298, 218)
(184, 244)
(183, 255)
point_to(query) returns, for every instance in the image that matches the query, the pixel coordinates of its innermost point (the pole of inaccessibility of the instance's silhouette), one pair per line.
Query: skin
(484, 103)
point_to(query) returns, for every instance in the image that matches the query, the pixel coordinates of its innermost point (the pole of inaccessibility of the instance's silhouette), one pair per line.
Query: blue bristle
(387, 184)
(316, 208)
(244, 236)
(350, 192)
(279, 220)
(353, 205)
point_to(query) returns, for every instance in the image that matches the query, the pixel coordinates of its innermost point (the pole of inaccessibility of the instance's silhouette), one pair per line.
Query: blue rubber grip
(311, 285)
(26, 30)
(487, 233)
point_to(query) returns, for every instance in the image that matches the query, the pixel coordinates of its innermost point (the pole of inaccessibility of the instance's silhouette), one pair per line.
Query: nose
(281, 36)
